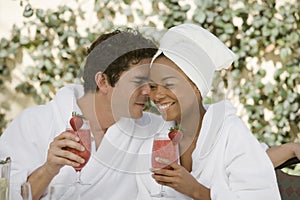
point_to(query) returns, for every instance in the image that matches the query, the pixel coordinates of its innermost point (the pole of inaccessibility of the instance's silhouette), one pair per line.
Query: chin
(165, 117)
(136, 115)
(169, 117)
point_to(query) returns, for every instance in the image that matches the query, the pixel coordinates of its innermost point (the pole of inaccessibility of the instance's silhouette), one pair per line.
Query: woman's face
(173, 93)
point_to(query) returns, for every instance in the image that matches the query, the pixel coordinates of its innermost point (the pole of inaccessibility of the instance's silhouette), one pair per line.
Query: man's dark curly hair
(113, 53)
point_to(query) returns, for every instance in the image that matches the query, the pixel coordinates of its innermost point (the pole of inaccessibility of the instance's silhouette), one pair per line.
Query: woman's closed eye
(153, 86)
(168, 85)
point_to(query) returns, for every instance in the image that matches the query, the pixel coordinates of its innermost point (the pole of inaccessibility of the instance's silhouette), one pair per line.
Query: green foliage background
(260, 31)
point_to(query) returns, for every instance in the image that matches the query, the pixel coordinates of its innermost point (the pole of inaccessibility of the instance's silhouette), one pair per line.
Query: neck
(97, 110)
(191, 123)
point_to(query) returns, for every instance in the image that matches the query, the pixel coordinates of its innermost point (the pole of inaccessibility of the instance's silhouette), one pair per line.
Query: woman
(219, 157)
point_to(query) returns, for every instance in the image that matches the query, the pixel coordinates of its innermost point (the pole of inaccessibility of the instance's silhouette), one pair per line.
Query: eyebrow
(141, 78)
(168, 77)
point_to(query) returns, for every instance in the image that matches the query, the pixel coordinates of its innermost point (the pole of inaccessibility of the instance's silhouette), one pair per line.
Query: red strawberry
(76, 121)
(175, 134)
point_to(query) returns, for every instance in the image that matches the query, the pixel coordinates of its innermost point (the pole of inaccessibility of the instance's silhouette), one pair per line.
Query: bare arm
(39, 181)
(56, 159)
(280, 154)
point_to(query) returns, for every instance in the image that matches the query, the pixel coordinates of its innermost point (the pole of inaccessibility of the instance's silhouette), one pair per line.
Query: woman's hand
(180, 179)
(58, 156)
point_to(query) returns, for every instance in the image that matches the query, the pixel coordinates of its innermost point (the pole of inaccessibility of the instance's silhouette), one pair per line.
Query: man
(112, 99)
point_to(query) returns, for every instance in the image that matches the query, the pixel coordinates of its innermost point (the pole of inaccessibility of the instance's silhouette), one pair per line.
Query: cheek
(135, 95)
(132, 97)
(120, 99)
(185, 99)
(151, 94)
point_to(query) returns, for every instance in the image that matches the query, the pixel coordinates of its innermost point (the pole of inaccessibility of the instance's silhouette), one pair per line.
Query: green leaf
(200, 17)
(40, 13)
(28, 12)
(284, 53)
(53, 20)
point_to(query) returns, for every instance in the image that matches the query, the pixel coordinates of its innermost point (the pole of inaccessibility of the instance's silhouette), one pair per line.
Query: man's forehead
(137, 72)
(165, 70)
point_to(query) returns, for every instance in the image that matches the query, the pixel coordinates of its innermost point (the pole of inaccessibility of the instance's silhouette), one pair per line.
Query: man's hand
(58, 156)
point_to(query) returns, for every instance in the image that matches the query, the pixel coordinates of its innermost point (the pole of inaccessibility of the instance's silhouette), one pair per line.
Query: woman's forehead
(164, 67)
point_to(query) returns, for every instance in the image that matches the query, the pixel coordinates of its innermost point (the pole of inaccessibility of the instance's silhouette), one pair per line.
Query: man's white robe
(111, 170)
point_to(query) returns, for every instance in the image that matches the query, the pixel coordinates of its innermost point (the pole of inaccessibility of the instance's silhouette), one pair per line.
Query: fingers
(165, 176)
(171, 181)
(168, 177)
(67, 157)
(67, 139)
(167, 162)
(165, 172)
(176, 179)
(55, 159)
(62, 148)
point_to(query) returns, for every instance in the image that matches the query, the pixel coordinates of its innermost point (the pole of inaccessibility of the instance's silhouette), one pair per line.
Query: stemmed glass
(163, 147)
(84, 134)
(20, 191)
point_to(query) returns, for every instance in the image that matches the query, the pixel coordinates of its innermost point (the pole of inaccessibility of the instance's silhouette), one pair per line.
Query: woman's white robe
(228, 159)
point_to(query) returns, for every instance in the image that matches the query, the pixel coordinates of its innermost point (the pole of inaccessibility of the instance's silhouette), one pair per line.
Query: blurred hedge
(258, 32)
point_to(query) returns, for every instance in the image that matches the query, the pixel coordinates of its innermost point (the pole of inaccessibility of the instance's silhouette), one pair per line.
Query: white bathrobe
(111, 170)
(228, 159)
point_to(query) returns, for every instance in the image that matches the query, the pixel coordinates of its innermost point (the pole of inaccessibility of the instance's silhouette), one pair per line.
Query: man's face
(131, 92)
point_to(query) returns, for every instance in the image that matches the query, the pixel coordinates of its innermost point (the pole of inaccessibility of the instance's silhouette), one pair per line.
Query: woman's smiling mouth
(165, 106)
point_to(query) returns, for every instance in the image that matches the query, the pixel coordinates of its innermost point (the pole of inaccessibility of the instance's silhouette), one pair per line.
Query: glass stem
(162, 190)
(78, 179)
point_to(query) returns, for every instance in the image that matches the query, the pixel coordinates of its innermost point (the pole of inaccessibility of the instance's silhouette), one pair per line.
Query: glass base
(81, 183)
(162, 195)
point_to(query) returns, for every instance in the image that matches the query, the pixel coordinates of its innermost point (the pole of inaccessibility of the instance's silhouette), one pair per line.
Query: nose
(145, 90)
(157, 94)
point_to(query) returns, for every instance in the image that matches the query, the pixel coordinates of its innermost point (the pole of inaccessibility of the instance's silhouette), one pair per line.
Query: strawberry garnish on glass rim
(76, 121)
(175, 134)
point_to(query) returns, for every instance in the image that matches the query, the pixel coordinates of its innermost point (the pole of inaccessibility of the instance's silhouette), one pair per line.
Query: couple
(220, 158)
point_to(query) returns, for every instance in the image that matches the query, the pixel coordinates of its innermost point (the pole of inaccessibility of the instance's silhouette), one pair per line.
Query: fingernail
(82, 148)
(153, 169)
(77, 139)
(82, 161)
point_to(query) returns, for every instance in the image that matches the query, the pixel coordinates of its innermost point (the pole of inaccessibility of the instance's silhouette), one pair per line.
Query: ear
(102, 82)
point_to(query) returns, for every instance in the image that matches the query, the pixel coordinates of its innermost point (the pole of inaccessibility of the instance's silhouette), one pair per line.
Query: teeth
(165, 106)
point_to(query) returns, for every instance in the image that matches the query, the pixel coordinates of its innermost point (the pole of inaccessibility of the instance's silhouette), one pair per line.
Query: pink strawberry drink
(164, 148)
(85, 140)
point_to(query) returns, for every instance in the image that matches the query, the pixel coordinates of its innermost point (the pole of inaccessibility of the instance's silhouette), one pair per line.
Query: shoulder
(226, 112)
(43, 117)
(32, 117)
(34, 113)
(33, 125)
